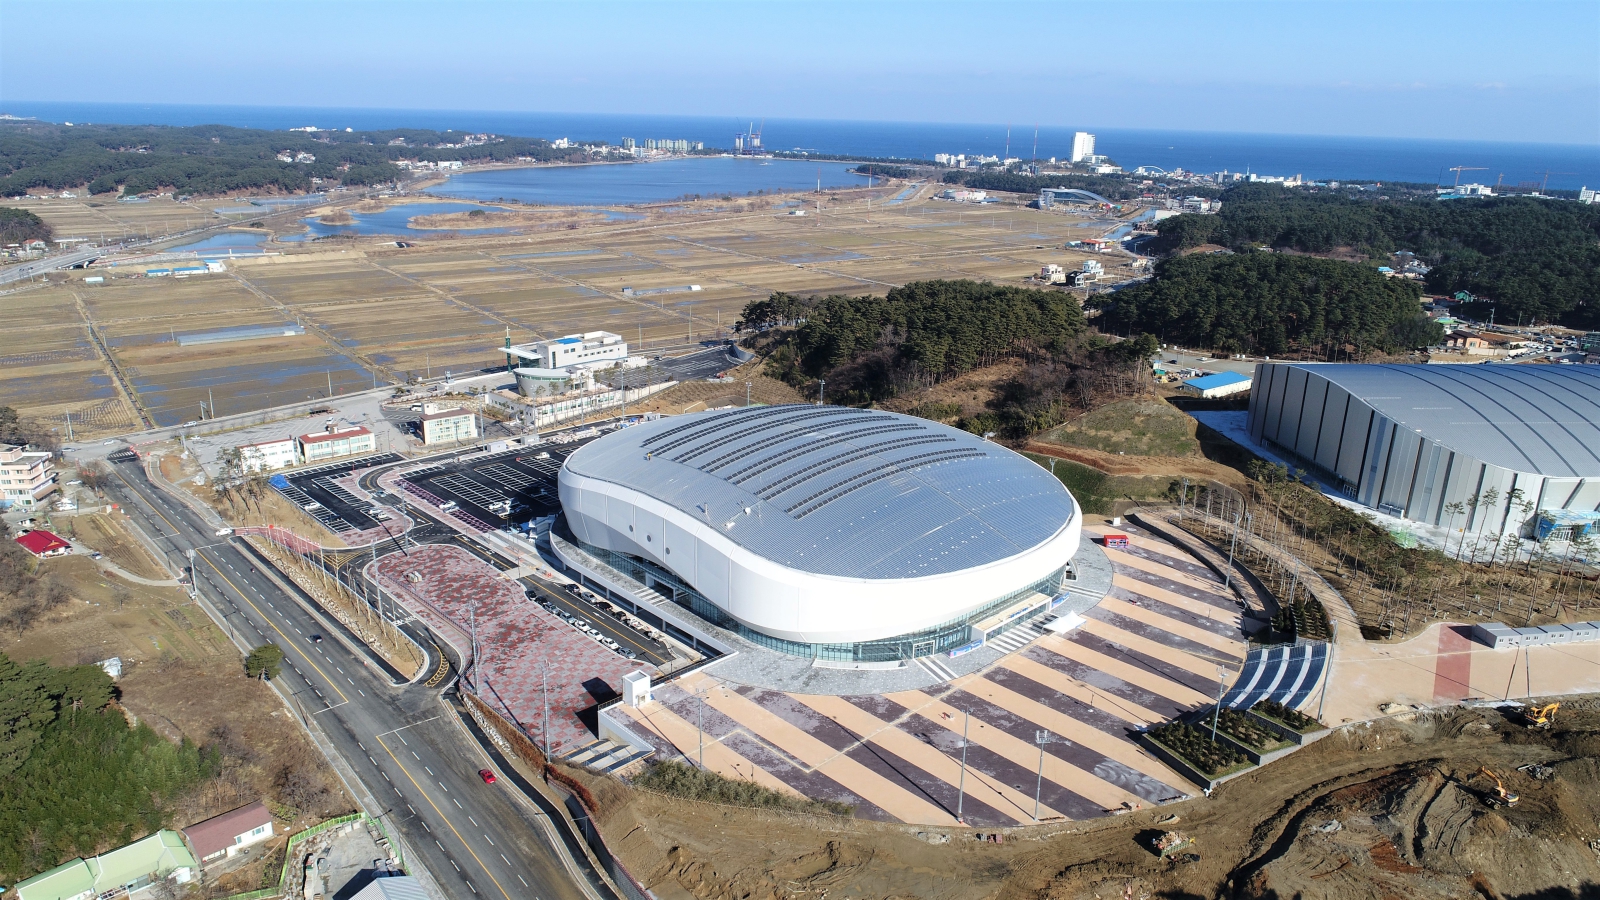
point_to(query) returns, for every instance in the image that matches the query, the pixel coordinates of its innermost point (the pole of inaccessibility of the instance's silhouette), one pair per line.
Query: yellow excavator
(1541, 717)
(1505, 797)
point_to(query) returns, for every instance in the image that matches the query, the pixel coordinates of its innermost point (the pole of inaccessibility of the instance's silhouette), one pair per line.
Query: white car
(224, 532)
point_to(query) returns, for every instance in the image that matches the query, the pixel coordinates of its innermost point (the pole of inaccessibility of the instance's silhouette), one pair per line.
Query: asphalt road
(402, 743)
(50, 264)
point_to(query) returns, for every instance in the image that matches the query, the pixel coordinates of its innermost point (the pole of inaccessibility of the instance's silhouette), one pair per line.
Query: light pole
(822, 391)
(1216, 711)
(747, 393)
(1227, 577)
(1042, 737)
(961, 790)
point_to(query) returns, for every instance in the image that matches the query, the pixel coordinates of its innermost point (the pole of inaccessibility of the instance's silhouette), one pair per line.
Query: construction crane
(1547, 173)
(1508, 798)
(1459, 169)
(1541, 717)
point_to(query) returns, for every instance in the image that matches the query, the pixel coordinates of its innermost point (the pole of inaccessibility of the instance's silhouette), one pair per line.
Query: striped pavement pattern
(1164, 641)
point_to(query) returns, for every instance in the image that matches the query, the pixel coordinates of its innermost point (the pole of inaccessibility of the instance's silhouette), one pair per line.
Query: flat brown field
(448, 301)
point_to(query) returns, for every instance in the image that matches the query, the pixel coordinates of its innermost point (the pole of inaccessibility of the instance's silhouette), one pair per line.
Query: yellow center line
(268, 619)
(152, 506)
(446, 819)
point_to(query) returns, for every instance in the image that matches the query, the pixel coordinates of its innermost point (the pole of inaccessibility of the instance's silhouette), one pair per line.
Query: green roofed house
(120, 872)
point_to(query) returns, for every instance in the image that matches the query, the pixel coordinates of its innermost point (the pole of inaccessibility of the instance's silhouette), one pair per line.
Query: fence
(300, 837)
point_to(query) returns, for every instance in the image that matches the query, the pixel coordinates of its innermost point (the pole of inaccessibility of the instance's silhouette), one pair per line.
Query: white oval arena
(825, 531)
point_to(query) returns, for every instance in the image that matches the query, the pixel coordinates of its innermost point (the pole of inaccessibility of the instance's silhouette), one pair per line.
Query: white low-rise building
(336, 442)
(447, 426)
(268, 455)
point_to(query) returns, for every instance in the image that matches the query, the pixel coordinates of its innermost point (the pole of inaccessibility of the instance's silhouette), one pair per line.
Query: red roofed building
(336, 442)
(43, 544)
(230, 832)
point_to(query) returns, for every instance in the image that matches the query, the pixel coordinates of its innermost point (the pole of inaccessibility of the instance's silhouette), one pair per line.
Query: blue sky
(1484, 71)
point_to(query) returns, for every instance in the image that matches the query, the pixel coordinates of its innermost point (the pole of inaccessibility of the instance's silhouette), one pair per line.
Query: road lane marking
(489, 839)
(442, 816)
(457, 803)
(275, 628)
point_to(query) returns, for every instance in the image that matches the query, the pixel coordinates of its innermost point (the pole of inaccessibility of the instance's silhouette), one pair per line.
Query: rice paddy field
(109, 354)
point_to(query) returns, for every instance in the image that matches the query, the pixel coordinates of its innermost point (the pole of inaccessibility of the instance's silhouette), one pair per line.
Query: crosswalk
(933, 666)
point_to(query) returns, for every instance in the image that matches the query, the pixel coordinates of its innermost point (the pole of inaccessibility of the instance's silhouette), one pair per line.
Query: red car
(486, 775)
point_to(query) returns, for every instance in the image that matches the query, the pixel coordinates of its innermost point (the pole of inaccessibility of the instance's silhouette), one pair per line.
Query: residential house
(44, 544)
(227, 834)
(161, 856)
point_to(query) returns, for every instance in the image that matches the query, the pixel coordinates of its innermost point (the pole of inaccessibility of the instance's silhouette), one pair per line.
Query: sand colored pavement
(1141, 678)
(1172, 598)
(1129, 561)
(1141, 613)
(1021, 753)
(853, 776)
(1194, 665)
(1067, 686)
(1442, 666)
(1061, 724)
(1000, 797)
(656, 717)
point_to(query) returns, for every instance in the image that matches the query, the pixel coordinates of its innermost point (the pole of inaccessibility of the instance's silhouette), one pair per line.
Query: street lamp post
(1042, 737)
(822, 391)
(961, 790)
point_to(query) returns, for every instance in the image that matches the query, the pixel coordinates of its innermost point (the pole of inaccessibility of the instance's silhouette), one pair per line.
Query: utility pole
(544, 683)
(822, 390)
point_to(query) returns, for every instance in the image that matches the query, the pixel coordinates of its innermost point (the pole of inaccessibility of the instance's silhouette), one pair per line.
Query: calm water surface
(629, 183)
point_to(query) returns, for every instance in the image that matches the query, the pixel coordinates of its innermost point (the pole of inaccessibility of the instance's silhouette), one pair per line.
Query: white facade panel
(788, 603)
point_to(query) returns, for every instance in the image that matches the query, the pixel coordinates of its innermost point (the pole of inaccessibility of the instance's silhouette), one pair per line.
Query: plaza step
(606, 755)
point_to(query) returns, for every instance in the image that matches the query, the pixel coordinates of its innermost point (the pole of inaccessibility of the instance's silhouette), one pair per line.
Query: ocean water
(648, 183)
(1314, 156)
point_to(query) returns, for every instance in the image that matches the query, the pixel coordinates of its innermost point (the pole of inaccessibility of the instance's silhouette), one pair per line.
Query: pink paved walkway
(518, 642)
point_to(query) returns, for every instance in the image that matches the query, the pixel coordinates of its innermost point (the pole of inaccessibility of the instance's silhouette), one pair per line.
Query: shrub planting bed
(1196, 747)
(1289, 718)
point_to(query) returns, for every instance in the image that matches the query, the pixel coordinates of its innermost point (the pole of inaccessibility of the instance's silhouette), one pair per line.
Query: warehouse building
(1222, 384)
(826, 532)
(1485, 448)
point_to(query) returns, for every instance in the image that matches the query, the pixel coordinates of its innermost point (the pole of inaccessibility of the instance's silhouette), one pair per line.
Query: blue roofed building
(1223, 384)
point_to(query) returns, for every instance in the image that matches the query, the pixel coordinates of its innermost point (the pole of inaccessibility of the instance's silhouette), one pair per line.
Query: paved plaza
(1151, 649)
(522, 649)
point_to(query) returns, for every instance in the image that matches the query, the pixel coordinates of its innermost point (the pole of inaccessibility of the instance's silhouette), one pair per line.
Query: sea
(1314, 157)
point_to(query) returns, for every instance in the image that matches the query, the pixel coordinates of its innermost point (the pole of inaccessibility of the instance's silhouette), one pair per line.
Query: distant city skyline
(1457, 71)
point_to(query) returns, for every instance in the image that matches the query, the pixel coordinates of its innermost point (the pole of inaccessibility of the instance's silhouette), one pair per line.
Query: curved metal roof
(1540, 419)
(839, 491)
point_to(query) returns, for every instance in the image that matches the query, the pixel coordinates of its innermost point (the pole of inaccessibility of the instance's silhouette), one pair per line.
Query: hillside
(216, 159)
(1532, 259)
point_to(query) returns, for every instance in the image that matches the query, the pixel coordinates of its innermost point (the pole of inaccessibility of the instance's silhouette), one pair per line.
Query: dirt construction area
(1393, 809)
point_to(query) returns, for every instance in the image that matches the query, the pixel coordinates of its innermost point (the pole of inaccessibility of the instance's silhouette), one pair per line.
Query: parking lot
(496, 491)
(317, 491)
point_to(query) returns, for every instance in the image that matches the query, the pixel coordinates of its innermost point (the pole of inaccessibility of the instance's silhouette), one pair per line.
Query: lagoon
(624, 184)
(394, 220)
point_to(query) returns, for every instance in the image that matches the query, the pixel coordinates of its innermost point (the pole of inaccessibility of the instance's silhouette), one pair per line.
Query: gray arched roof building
(1409, 440)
